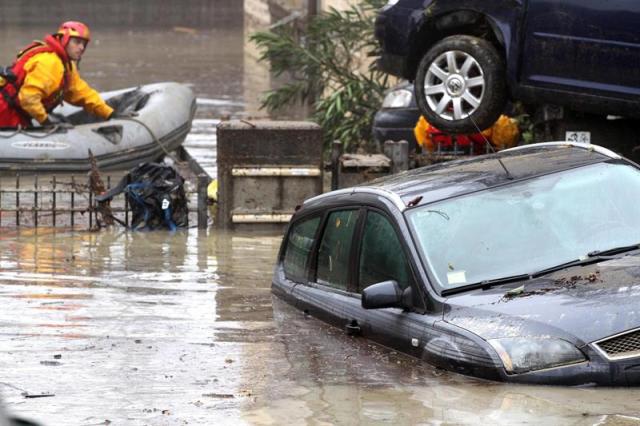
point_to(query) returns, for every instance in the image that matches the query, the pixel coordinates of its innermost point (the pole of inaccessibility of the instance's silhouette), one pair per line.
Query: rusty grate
(622, 346)
(35, 201)
(67, 201)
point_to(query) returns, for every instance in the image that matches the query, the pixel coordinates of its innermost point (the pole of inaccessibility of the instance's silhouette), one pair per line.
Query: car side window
(299, 244)
(335, 248)
(382, 257)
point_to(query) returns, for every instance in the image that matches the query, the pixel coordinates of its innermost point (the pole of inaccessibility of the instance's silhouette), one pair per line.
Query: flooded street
(124, 328)
(131, 328)
(158, 328)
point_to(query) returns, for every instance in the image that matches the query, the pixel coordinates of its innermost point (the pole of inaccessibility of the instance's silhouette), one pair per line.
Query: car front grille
(625, 345)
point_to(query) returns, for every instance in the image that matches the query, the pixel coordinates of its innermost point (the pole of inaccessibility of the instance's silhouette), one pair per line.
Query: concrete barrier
(353, 169)
(266, 169)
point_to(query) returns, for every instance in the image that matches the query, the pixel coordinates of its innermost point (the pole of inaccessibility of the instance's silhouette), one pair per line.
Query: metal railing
(55, 201)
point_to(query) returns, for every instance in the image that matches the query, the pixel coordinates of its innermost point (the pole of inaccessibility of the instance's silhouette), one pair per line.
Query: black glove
(57, 120)
(7, 74)
(123, 114)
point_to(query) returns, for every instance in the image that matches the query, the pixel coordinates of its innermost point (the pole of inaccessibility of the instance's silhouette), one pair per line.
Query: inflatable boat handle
(112, 133)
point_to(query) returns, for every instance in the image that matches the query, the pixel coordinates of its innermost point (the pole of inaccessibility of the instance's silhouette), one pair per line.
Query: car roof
(448, 179)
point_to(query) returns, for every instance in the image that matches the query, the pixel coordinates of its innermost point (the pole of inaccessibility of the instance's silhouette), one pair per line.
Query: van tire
(482, 79)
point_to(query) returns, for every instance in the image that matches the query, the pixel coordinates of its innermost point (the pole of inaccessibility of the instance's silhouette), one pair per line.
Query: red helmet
(73, 29)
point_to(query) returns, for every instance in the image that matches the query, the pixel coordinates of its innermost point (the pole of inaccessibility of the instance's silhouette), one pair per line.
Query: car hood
(585, 303)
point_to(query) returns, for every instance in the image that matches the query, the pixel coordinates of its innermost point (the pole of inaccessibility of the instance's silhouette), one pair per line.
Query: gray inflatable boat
(164, 114)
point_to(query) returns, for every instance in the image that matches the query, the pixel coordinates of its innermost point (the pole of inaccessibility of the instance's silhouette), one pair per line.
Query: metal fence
(67, 201)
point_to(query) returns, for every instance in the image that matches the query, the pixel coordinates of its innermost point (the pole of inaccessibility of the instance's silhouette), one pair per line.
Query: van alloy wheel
(452, 90)
(461, 84)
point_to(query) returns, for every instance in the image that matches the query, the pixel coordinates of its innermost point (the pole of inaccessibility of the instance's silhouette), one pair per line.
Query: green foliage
(323, 63)
(525, 126)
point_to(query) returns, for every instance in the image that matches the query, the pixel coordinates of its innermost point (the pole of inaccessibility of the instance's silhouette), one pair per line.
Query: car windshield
(529, 226)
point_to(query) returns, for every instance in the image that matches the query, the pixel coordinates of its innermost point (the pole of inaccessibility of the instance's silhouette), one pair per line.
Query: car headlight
(400, 98)
(520, 354)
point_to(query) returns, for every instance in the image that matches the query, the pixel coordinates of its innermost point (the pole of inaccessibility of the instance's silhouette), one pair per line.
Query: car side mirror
(386, 294)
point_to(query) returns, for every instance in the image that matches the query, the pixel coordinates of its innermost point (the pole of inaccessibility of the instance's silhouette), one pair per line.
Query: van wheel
(460, 84)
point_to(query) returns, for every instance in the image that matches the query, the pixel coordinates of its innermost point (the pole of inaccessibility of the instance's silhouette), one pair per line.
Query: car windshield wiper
(612, 251)
(592, 257)
(576, 262)
(485, 284)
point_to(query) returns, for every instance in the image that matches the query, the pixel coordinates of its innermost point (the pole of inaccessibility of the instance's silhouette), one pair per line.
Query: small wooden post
(126, 211)
(17, 199)
(53, 200)
(91, 210)
(203, 205)
(336, 152)
(35, 202)
(73, 200)
(398, 152)
(103, 211)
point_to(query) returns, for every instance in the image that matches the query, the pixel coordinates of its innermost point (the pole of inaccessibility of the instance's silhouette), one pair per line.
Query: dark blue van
(467, 57)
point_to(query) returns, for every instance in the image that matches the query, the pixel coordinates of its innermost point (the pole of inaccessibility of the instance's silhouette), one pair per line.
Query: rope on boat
(23, 131)
(153, 136)
(55, 128)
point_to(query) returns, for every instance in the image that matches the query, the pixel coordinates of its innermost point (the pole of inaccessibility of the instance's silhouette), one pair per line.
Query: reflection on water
(132, 319)
(160, 328)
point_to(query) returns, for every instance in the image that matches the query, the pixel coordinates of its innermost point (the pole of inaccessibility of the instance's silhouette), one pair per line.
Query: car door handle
(353, 328)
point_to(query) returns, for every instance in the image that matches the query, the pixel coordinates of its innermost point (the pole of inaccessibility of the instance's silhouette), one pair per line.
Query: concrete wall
(256, 77)
(259, 15)
(125, 13)
(266, 169)
(364, 60)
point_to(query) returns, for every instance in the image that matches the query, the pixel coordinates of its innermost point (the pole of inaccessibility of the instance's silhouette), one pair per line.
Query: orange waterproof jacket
(49, 77)
(503, 134)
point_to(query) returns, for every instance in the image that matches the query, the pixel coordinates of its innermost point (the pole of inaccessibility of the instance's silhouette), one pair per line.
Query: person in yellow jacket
(44, 74)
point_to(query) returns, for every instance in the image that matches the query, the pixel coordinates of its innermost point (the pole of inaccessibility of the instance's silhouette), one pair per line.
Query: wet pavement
(174, 329)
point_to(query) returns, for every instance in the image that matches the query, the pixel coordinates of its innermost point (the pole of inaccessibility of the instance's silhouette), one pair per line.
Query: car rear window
(299, 244)
(335, 248)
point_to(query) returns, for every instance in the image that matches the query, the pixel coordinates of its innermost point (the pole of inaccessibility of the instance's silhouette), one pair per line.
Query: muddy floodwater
(181, 329)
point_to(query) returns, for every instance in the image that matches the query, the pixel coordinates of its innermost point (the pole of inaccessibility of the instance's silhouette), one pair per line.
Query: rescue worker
(44, 74)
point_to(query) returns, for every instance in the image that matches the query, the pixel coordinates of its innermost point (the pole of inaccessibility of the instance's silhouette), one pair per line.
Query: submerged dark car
(522, 266)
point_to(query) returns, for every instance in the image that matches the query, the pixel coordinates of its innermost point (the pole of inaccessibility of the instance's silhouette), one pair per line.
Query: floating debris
(39, 395)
